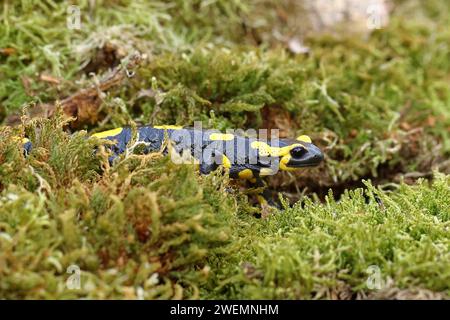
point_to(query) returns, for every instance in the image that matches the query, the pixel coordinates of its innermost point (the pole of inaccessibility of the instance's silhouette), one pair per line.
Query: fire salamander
(245, 157)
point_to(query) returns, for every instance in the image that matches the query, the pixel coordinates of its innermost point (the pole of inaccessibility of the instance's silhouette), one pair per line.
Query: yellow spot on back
(265, 150)
(304, 138)
(221, 136)
(108, 133)
(168, 127)
(246, 174)
(226, 162)
(25, 140)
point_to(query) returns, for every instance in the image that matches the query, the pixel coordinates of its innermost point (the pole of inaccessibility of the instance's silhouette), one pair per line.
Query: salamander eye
(298, 152)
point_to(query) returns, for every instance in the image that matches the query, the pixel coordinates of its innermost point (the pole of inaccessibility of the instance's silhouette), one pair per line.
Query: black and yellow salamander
(245, 157)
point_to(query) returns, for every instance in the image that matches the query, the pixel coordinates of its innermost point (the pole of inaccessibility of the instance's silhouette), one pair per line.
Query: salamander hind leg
(264, 196)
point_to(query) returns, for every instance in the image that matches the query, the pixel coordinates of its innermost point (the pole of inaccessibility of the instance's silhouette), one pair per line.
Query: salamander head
(301, 154)
(292, 154)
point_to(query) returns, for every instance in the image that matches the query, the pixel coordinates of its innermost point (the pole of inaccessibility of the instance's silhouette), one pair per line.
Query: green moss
(326, 250)
(42, 42)
(145, 228)
(144, 217)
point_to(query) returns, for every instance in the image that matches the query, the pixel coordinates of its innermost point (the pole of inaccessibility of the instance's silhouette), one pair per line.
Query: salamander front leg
(264, 196)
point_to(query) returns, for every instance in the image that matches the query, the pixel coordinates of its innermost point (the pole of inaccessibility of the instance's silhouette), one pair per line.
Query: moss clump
(140, 229)
(328, 250)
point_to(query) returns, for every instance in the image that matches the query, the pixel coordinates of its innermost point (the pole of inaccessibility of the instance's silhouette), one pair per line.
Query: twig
(84, 103)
